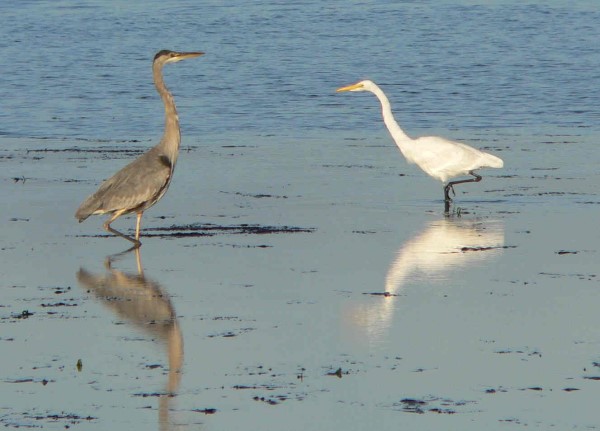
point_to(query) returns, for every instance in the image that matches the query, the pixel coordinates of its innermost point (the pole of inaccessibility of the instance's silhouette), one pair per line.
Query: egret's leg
(446, 192)
(447, 207)
(116, 232)
(450, 185)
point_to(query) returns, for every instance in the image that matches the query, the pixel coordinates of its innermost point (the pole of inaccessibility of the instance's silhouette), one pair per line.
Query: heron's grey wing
(135, 187)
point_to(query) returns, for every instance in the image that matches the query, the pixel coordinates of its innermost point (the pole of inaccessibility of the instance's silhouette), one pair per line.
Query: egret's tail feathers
(493, 161)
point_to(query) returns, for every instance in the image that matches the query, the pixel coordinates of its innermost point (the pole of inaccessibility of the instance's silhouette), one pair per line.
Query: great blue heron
(141, 183)
(438, 157)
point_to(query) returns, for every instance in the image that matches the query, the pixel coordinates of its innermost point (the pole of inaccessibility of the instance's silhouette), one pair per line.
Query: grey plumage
(141, 183)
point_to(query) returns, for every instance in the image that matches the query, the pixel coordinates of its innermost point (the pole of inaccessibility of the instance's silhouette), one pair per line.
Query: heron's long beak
(349, 87)
(184, 55)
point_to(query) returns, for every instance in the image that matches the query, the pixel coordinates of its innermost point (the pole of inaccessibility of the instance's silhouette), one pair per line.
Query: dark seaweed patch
(193, 230)
(422, 406)
(486, 248)
(207, 411)
(384, 294)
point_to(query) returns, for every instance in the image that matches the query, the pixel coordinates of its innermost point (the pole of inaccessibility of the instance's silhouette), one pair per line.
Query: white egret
(440, 158)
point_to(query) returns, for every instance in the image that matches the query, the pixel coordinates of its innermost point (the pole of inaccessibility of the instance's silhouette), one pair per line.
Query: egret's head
(166, 56)
(365, 85)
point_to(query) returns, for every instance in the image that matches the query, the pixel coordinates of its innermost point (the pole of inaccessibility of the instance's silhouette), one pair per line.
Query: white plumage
(440, 158)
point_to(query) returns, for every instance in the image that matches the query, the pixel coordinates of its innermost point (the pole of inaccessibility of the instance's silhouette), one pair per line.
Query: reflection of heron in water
(443, 246)
(142, 302)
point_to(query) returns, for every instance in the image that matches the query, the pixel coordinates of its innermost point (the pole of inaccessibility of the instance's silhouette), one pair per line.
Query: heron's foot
(136, 242)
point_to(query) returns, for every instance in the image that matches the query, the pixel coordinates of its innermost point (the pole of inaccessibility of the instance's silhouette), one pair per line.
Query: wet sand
(304, 283)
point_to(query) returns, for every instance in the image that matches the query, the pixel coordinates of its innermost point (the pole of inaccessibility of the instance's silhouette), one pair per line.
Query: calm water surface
(490, 318)
(82, 70)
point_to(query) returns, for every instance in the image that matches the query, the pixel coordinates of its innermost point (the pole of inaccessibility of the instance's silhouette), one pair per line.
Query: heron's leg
(450, 185)
(116, 232)
(137, 226)
(138, 259)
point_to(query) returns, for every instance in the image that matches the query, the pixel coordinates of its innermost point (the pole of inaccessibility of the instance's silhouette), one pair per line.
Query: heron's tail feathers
(81, 216)
(86, 209)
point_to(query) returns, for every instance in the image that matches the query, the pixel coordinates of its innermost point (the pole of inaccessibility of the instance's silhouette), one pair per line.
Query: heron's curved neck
(397, 133)
(172, 136)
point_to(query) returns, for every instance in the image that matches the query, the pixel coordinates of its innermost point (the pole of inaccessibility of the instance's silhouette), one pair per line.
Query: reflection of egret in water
(443, 247)
(142, 302)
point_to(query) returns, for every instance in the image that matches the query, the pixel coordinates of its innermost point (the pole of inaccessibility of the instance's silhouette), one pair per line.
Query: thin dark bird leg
(450, 185)
(116, 232)
(447, 198)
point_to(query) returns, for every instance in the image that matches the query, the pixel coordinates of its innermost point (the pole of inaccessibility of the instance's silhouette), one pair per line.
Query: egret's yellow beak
(349, 87)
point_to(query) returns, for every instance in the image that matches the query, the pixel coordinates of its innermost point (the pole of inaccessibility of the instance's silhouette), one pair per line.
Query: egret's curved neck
(172, 136)
(388, 118)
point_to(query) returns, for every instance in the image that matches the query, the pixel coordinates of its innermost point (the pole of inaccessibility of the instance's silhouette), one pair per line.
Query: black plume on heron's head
(162, 53)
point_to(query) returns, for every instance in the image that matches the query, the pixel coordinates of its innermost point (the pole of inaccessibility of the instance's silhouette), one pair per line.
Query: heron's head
(165, 56)
(365, 85)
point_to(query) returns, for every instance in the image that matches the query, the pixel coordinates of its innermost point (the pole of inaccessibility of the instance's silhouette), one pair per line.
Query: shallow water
(490, 317)
(299, 274)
